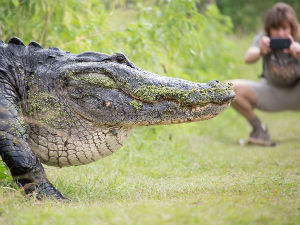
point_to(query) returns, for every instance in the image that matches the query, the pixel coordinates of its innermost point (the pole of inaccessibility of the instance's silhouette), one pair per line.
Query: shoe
(261, 136)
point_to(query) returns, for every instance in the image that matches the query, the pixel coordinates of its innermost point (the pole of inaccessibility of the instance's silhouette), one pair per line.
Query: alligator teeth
(195, 109)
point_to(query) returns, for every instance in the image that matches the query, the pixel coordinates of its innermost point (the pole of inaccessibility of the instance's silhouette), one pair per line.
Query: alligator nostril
(213, 82)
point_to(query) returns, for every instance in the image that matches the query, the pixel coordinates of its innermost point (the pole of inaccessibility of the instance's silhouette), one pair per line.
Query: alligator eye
(120, 58)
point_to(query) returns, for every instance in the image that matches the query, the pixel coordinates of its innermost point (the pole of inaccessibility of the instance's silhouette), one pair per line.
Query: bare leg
(245, 100)
(244, 103)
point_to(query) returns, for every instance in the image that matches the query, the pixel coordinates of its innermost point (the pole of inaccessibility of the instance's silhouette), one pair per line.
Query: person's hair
(278, 15)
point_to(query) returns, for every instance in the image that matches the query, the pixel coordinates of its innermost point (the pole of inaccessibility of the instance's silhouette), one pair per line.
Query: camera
(280, 43)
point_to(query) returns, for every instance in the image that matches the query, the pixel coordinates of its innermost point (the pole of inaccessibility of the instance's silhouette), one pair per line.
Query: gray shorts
(273, 98)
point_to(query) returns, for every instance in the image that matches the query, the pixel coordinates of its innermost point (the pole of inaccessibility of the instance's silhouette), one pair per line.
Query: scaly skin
(63, 109)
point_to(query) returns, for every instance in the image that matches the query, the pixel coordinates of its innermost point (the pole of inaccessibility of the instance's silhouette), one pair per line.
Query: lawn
(194, 173)
(197, 173)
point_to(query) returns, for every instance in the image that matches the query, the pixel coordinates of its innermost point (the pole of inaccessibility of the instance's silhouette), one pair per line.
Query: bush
(174, 38)
(248, 15)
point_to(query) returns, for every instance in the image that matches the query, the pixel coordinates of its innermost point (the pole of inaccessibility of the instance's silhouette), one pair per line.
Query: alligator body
(64, 109)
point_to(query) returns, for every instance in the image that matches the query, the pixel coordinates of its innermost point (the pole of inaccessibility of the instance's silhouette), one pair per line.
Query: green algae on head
(153, 93)
(97, 80)
(48, 109)
(136, 105)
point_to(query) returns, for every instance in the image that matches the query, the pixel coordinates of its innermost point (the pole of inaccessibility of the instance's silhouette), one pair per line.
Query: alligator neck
(77, 145)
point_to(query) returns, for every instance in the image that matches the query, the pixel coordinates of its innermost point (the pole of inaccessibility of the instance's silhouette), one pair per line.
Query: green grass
(182, 174)
(195, 173)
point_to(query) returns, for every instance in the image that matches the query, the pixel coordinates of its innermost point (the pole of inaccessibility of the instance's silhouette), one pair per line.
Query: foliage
(171, 37)
(248, 15)
(5, 177)
(61, 23)
(174, 38)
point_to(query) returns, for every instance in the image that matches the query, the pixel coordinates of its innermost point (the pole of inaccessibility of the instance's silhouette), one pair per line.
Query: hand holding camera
(264, 45)
(287, 45)
(294, 50)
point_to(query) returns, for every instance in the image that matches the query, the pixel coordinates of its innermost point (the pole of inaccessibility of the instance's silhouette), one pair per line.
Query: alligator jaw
(191, 113)
(183, 115)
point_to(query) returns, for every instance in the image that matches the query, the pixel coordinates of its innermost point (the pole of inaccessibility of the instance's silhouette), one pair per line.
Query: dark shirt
(279, 68)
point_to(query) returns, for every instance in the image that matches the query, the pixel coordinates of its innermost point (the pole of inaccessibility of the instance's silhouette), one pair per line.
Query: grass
(195, 173)
(183, 174)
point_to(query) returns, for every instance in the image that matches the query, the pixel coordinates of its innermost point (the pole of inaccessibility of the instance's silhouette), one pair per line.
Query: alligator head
(112, 91)
(84, 105)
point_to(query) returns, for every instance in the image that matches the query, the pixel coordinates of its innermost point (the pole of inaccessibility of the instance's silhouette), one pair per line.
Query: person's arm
(255, 52)
(252, 55)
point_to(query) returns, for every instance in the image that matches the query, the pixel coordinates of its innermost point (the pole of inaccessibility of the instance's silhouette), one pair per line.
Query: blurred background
(197, 40)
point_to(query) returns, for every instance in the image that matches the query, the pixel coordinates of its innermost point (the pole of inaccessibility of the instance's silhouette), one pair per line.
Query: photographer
(279, 87)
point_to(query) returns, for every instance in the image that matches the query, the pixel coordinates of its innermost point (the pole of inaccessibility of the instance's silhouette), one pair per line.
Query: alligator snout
(152, 88)
(224, 91)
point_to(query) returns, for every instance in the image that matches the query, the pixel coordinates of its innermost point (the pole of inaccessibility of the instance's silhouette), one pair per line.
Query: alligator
(63, 109)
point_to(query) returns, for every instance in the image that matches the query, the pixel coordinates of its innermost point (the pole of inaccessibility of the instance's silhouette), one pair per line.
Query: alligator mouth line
(189, 115)
(198, 108)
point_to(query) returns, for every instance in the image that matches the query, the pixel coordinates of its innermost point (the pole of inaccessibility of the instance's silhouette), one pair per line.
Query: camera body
(279, 43)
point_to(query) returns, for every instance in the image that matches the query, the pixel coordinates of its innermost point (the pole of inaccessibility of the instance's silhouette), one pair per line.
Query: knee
(240, 89)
